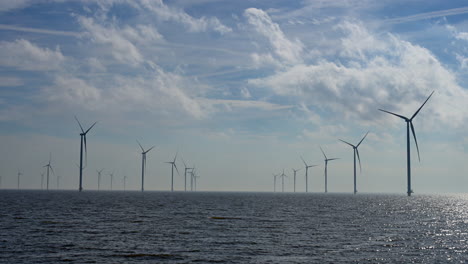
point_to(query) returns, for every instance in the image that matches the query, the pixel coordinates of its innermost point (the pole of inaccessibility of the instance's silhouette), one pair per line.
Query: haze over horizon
(240, 89)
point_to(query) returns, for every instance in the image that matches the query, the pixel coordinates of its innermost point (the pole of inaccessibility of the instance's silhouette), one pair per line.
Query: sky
(239, 89)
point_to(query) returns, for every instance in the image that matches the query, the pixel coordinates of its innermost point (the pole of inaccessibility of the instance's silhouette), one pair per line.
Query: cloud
(285, 49)
(370, 72)
(166, 13)
(121, 42)
(24, 55)
(68, 90)
(41, 31)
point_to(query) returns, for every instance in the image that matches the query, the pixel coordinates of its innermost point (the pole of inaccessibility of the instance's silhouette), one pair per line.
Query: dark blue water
(162, 227)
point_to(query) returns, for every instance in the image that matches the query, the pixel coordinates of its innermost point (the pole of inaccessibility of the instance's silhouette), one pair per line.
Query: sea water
(204, 227)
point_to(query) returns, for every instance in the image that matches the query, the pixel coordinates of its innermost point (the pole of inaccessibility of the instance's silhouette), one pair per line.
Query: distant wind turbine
(49, 167)
(326, 166)
(282, 180)
(306, 172)
(125, 181)
(192, 173)
(42, 181)
(294, 170)
(356, 152)
(185, 174)
(274, 181)
(111, 178)
(143, 164)
(195, 177)
(409, 123)
(173, 165)
(19, 175)
(83, 142)
(99, 178)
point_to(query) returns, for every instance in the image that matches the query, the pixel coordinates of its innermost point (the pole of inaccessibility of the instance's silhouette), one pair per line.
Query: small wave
(224, 218)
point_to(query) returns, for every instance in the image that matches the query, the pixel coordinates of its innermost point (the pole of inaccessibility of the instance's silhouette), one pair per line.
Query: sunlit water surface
(162, 227)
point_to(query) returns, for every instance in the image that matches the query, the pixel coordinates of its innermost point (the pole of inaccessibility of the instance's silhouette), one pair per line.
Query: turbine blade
(304, 161)
(50, 157)
(142, 150)
(346, 143)
(185, 165)
(323, 152)
(359, 159)
(333, 159)
(415, 140)
(362, 139)
(388, 112)
(82, 130)
(176, 169)
(52, 169)
(90, 127)
(85, 150)
(421, 106)
(175, 157)
(149, 149)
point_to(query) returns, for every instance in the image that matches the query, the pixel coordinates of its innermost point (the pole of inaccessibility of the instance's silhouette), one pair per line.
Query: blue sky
(241, 89)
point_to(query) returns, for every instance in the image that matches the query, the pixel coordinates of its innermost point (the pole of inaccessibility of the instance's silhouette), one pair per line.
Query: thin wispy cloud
(427, 15)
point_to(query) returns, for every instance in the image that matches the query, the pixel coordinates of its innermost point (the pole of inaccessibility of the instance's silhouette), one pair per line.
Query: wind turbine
(282, 180)
(99, 178)
(192, 173)
(185, 174)
(49, 167)
(125, 181)
(326, 166)
(195, 177)
(356, 152)
(42, 181)
(409, 123)
(143, 164)
(111, 178)
(294, 170)
(173, 164)
(19, 174)
(83, 141)
(306, 173)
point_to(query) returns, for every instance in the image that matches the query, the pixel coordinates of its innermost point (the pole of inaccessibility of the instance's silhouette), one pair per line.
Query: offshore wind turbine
(306, 172)
(326, 166)
(274, 181)
(192, 173)
(356, 152)
(19, 175)
(143, 164)
(125, 181)
(111, 178)
(185, 174)
(83, 142)
(42, 181)
(99, 178)
(282, 180)
(409, 123)
(294, 170)
(49, 167)
(173, 165)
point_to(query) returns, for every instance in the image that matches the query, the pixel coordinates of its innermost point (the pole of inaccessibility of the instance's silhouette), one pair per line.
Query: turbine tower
(99, 178)
(356, 152)
(409, 123)
(111, 178)
(274, 181)
(185, 174)
(173, 165)
(49, 167)
(19, 175)
(143, 164)
(125, 181)
(42, 181)
(83, 142)
(326, 166)
(306, 172)
(282, 180)
(294, 170)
